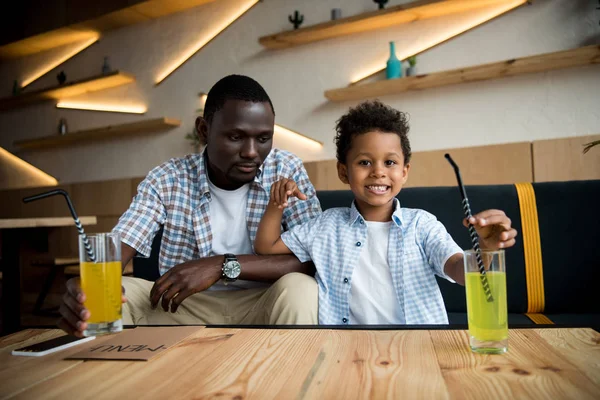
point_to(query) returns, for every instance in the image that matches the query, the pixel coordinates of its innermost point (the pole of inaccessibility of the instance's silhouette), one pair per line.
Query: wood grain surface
(224, 363)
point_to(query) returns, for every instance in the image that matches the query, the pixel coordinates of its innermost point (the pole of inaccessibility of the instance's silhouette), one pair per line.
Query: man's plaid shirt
(176, 195)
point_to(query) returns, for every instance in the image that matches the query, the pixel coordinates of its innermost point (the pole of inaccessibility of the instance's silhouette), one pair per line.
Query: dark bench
(569, 244)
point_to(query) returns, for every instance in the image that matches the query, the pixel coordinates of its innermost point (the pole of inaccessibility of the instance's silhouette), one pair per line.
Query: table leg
(11, 281)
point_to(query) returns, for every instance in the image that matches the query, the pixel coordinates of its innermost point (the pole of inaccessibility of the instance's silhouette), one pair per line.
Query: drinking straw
(86, 241)
(472, 232)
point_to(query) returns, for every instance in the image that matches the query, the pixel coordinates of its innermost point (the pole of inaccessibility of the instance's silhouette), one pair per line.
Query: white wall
(530, 107)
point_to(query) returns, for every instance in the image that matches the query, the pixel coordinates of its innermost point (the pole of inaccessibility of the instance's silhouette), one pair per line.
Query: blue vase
(393, 68)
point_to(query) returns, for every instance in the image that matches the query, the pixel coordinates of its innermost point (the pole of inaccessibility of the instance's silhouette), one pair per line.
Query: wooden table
(12, 234)
(229, 363)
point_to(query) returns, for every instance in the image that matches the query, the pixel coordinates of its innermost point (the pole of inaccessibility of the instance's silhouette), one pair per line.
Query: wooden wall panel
(13, 206)
(323, 175)
(104, 198)
(563, 159)
(134, 184)
(482, 165)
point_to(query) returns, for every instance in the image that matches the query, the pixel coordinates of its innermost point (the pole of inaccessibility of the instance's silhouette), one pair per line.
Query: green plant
(194, 140)
(412, 61)
(297, 20)
(193, 137)
(589, 145)
(381, 3)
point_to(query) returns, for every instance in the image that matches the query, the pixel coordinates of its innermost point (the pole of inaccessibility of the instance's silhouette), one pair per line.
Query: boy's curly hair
(367, 117)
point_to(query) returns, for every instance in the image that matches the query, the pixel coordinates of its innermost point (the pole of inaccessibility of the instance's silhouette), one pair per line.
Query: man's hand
(73, 313)
(282, 190)
(185, 279)
(494, 229)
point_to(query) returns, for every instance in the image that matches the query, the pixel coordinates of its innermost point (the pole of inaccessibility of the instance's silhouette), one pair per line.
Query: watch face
(232, 269)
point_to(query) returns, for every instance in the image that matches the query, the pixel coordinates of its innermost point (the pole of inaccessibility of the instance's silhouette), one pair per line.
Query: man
(210, 205)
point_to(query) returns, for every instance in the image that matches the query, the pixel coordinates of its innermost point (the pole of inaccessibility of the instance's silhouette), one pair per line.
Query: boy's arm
(454, 268)
(268, 238)
(495, 232)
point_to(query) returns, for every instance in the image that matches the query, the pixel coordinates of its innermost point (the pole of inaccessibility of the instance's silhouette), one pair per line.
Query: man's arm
(185, 279)
(191, 277)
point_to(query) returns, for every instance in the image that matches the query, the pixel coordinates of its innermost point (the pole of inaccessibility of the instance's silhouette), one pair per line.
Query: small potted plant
(412, 62)
(589, 145)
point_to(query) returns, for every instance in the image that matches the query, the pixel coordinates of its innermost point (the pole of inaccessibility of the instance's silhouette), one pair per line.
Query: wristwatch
(231, 268)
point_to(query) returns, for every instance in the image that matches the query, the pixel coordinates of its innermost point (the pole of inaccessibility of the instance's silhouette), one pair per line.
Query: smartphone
(50, 346)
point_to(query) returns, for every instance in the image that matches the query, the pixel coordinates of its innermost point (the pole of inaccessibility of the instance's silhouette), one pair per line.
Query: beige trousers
(292, 300)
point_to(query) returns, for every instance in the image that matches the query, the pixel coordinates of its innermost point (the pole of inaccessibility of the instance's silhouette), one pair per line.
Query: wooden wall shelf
(106, 132)
(71, 89)
(401, 14)
(84, 21)
(538, 63)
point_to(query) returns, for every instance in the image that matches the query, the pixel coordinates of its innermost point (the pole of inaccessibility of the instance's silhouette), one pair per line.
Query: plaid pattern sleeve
(436, 242)
(138, 225)
(299, 239)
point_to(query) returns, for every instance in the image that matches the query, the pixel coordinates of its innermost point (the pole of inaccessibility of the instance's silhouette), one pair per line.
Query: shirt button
(362, 222)
(358, 244)
(345, 320)
(345, 280)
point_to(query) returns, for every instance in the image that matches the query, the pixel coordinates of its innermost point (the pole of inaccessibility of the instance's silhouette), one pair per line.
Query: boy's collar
(355, 215)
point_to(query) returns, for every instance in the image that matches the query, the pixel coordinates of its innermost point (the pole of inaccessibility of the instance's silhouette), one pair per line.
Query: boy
(376, 261)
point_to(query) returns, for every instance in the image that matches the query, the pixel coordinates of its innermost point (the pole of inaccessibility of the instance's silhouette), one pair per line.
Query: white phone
(50, 346)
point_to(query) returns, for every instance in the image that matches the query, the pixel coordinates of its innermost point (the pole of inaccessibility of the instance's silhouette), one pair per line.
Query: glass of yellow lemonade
(486, 308)
(100, 266)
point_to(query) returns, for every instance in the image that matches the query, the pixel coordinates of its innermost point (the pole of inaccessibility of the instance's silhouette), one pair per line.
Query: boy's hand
(282, 190)
(493, 228)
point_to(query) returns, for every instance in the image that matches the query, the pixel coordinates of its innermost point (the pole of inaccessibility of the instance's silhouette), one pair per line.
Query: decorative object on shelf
(297, 20)
(16, 88)
(106, 66)
(62, 127)
(393, 67)
(589, 145)
(336, 13)
(61, 77)
(381, 3)
(412, 62)
(588, 55)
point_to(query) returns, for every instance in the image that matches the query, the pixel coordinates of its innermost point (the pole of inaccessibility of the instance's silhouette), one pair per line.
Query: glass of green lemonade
(101, 282)
(486, 310)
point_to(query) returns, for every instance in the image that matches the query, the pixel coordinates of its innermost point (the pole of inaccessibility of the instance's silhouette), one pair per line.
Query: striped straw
(472, 232)
(86, 241)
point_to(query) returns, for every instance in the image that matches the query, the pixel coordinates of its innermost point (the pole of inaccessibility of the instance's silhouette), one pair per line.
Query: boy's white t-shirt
(230, 229)
(373, 298)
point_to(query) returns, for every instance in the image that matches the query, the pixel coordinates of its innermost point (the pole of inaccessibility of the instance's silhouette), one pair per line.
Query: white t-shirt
(373, 298)
(230, 229)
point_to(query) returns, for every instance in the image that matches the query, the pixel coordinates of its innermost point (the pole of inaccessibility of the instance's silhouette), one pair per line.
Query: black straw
(86, 241)
(472, 232)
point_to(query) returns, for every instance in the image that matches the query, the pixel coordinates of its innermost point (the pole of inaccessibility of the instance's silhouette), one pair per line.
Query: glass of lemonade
(486, 310)
(101, 281)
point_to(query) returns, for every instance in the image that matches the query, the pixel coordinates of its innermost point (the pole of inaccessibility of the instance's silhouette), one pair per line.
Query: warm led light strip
(58, 61)
(42, 178)
(297, 136)
(141, 109)
(443, 35)
(204, 40)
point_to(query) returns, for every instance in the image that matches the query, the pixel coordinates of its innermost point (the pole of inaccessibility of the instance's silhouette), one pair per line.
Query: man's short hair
(234, 87)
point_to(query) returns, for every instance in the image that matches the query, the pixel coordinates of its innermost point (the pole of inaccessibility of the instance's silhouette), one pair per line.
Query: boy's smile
(375, 171)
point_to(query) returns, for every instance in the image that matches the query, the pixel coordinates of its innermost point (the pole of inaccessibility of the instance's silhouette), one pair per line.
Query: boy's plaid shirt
(418, 248)
(176, 195)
